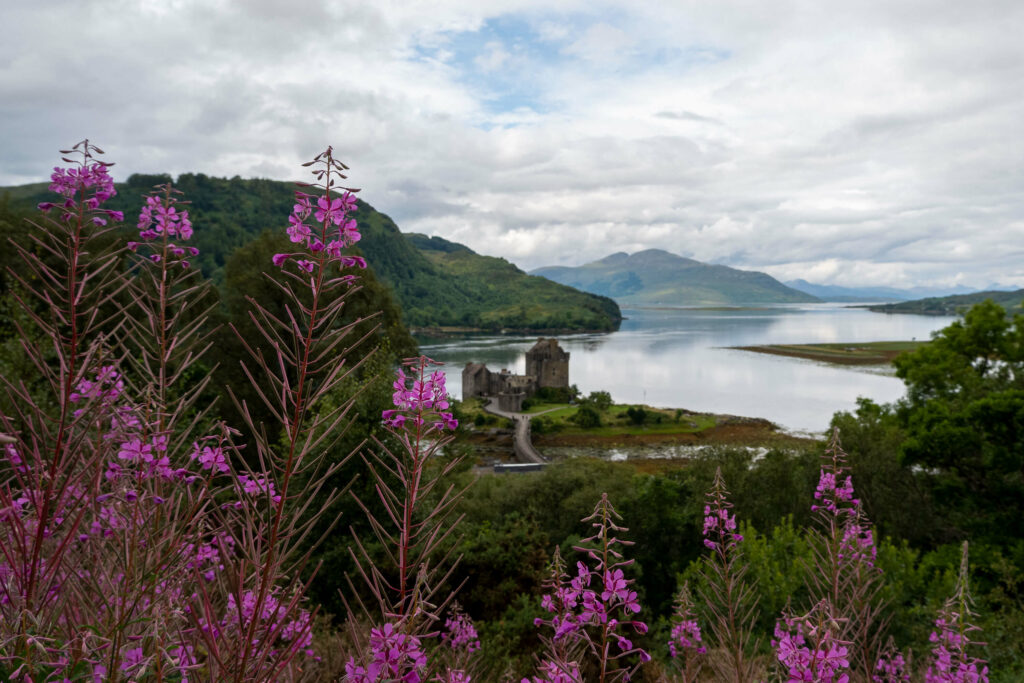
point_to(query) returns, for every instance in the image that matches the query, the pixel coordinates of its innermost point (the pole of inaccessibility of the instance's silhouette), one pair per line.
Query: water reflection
(677, 358)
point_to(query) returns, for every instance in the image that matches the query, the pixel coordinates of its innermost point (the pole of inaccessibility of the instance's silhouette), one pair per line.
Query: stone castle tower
(548, 364)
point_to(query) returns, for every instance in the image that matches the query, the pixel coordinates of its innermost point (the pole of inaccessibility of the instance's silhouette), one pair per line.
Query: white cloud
(860, 142)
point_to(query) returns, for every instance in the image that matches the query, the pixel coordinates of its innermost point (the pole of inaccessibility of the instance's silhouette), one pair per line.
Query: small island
(851, 353)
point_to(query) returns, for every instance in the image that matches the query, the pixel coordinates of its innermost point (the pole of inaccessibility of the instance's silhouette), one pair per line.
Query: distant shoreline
(453, 332)
(852, 353)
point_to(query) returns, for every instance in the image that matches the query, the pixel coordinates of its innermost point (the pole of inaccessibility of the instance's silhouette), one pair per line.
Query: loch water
(680, 358)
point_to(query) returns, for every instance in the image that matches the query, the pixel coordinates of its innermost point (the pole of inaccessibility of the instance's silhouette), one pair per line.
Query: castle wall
(548, 363)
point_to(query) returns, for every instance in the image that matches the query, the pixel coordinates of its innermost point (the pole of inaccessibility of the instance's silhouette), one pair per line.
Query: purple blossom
(552, 672)
(69, 182)
(420, 400)
(136, 450)
(891, 667)
(210, 458)
(576, 607)
(719, 522)
(394, 656)
(686, 638)
(298, 231)
(808, 649)
(951, 661)
(329, 212)
(258, 485)
(460, 633)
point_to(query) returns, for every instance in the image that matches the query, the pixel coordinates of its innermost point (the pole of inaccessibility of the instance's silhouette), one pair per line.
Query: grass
(850, 353)
(616, 422)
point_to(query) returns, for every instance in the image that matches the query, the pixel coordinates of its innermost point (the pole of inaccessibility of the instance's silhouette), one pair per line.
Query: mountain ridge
(656, 276)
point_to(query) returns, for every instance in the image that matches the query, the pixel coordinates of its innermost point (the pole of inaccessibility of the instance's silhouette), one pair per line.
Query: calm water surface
(677, 358)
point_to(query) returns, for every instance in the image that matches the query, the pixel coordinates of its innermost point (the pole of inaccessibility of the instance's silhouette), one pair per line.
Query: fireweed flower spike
(597, 604)
(418, 524)
(891, 666)
(162, 223)
(685, 644)
(808, 648)
(844, 572)
(952, 661)
(730, 599)
(336, 230)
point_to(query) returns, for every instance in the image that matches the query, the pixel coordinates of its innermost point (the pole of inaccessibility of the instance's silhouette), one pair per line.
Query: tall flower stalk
(297, 361)
(70, 289)
(595, 608)
(416, 530)
(132, 541)
(685, 645)
(952, 658)
(809, 649)
(843, 572)
(729, 598)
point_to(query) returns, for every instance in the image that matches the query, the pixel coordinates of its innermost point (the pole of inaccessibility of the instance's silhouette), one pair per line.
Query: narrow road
(522, 446)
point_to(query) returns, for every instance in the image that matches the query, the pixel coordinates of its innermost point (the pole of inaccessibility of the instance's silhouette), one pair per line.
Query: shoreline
(720, 430)
(445, 332)
(853, 353)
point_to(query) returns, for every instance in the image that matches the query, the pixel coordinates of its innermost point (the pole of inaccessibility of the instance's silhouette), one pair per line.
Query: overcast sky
(869, 142)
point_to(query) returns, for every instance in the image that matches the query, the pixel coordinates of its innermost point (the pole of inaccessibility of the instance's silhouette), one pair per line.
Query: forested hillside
(954, 305)
(468, 290)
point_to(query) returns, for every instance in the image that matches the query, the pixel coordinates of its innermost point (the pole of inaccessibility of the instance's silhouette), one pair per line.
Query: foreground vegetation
(161, 521)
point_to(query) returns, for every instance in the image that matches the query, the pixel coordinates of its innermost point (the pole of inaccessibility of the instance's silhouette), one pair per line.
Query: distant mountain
(436, 283)
(655, 276)
(839, 293)
(955, 305)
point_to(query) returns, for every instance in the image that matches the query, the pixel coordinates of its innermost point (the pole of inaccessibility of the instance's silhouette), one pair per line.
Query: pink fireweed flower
(686, 638)
(951, 662)
(258, 485)
(298, 231)
(353, 262)
(833, 496)
(395, 656)
(891, 667)
(858, 542)
(808, 648)
(136, 450)
(421, 399)
(160, 219)
(557, 672)
(107, 386)
(89, 179)
(582, 612)
(719, 523)
(460, 633)
(329, 212)
(210, 458)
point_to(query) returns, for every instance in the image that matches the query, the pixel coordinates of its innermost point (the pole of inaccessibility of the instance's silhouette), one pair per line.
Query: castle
(547, 365)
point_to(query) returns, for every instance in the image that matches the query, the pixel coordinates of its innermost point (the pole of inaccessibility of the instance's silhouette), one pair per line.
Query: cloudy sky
(869, 142)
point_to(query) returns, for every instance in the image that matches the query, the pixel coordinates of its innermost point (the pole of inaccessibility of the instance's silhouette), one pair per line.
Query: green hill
(511, 298)
(467, 290)
(954, 305)
(659, 277)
